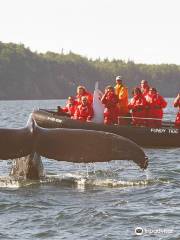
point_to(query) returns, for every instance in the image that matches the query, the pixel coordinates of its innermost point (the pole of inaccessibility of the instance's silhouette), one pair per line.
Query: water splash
(81, 181)
(12, 183)
(108, 174)
(148, 174)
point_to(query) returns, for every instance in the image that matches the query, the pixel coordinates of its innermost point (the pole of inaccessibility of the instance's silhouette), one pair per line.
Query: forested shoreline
(29, 75)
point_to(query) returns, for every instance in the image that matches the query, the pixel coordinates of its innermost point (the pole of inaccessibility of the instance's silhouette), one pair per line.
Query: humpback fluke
(84, 146)
(16, 143)
(71, 145)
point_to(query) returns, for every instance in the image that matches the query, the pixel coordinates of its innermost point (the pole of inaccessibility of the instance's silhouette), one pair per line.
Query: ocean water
(94, 201)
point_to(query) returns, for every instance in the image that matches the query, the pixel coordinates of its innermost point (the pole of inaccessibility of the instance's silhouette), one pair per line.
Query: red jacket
(138, 105)
(86, 94)
(111, 110)
(70, 107)
(156, 100)
(177, 104)
(110, 100)
(156, 105)
(177, 121)
(84, 112)
(138, 102)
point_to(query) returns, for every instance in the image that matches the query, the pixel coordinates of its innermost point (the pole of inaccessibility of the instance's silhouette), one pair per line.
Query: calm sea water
(95, 201)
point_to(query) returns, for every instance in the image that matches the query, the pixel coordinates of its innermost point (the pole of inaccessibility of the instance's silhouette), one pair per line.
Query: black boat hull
(143, 136)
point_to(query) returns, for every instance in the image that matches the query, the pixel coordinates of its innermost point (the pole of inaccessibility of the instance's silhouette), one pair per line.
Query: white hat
(118, 78)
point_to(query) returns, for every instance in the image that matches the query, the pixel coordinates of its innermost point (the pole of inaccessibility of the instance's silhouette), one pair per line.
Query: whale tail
(85, 146)
(71, 145)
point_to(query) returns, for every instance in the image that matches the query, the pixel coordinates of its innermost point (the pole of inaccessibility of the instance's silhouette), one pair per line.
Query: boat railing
(165, 123)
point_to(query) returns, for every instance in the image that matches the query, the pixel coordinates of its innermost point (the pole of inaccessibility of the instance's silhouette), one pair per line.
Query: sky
(145, 31)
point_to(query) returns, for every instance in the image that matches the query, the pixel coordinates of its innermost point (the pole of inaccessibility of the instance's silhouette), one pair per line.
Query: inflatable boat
(165, 136)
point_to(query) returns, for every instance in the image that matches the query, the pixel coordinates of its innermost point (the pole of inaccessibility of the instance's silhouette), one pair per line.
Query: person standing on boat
(145, 90)
(144, 87)
(82, 92)
(156, 104)
(71, 106)
(177, 104)
(122, 93)
(110, 100)
(138, 106)
(84, 111)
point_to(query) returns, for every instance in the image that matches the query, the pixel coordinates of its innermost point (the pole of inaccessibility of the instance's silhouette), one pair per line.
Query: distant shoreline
(27, 75)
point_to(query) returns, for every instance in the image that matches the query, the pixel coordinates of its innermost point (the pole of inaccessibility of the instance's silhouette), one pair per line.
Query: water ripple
(101, 201)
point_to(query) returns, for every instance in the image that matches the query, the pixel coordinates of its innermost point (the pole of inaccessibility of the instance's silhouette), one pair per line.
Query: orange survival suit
(156, 104)
(110, 100)
(177, 104)
(71, 106)
(122, 93)
(84, 111)
(82, 92)
(138, 105)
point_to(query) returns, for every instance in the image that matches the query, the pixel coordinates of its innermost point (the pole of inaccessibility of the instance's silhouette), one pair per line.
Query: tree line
(30, 75)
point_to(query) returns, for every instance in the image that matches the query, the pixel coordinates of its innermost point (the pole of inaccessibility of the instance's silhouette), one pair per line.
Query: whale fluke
(84, 146)
(15, 143)
(28, 144)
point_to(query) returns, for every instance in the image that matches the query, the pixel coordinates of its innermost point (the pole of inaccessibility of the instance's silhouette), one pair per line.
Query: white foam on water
(8, 183)
(82, 180)
(12, 183)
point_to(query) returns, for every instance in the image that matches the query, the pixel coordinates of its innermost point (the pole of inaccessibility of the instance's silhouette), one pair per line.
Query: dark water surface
(94, 201)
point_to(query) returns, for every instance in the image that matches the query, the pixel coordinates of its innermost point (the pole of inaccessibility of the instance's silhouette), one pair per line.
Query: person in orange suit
(110, 100)
(84, 111)
(156, 104)
(145, 90)
(82, 92)
(177, 104)
(122, 93)
(144, 87)
(71, 106)
(138, 106)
